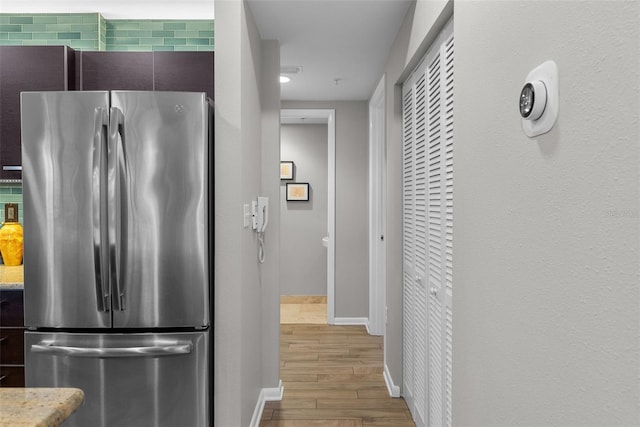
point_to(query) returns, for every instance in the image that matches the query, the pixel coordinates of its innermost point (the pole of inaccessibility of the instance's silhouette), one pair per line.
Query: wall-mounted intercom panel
(260, 213)
(260, 219)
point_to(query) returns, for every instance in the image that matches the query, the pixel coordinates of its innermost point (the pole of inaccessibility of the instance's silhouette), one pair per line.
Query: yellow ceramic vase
(11, 236)
(11, 243)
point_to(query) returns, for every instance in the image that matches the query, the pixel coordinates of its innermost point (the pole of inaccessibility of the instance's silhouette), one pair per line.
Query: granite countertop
(11, 277)
(37, 407)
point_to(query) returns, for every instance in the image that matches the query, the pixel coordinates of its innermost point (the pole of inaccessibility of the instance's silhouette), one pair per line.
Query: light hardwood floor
(332, 377)
(303, 309)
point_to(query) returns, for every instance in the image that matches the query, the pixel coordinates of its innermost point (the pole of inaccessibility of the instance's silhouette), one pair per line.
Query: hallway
(332, 376)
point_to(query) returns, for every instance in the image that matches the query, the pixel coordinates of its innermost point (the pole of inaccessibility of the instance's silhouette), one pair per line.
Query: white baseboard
(351, 321)
(394, 390)
(266, 394)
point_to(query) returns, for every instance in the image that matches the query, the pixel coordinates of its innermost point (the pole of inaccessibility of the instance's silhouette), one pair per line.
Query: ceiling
(340, 45)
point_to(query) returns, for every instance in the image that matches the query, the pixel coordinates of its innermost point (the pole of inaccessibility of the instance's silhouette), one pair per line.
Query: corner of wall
(266, 395)
(394, 390)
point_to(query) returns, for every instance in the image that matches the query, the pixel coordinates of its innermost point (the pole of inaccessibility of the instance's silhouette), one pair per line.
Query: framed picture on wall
(286, 169)
(297, 191)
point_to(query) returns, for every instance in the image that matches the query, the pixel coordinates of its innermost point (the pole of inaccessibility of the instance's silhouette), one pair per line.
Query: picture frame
(286, 169)
(297, 192)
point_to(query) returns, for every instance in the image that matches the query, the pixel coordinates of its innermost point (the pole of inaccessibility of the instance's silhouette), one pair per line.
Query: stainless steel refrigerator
(116, 254)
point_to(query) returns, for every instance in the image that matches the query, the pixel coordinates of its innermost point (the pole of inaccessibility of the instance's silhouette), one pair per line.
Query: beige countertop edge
(37, 407)
(11, 277)
(4, 286)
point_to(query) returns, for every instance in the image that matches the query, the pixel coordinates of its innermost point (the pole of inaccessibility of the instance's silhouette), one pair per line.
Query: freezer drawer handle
(112, 352)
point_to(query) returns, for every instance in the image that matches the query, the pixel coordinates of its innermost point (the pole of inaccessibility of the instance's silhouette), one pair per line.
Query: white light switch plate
(246, 218)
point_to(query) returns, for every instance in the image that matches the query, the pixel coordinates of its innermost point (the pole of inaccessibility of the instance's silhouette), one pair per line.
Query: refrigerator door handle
(101, 122)
(176, 348)
(116, 123)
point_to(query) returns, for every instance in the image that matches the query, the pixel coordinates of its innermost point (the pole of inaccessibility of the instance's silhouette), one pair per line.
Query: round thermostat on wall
(538, 100)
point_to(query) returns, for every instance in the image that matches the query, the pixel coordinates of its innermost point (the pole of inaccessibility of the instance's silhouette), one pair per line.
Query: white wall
(246, 123)
(270, 270)
(303, 259)
(546, 230)
(352, 246)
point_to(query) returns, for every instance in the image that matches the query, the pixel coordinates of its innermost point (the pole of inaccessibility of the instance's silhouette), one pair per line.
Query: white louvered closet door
(408, 238)
(428, 231)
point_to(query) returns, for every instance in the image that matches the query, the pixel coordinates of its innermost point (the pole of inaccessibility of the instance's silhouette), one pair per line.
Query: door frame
(377, 210)
(320, 116)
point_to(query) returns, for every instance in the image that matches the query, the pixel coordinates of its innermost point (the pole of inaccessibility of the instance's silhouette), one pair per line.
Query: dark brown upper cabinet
(115, 71)
(184, 72)
(161, 71)
(27, 68)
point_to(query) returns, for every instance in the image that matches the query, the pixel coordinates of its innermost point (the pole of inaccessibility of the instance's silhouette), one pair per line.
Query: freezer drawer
(128, 379)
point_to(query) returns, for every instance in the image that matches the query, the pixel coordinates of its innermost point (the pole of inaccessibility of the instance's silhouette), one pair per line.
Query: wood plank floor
(303, 309)
(332, 377)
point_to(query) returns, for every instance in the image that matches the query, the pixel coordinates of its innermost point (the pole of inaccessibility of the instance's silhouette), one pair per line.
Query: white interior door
(408, 244)
(428, 231)
(377, 209)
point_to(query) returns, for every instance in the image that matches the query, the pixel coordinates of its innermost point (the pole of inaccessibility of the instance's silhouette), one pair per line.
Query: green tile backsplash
(78, 30)
(154, 35)
(11, 193)
(90, 31)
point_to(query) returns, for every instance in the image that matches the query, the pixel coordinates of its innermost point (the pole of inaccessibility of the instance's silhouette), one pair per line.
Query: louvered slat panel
(448, 250)
(408, 178)
(448, 370)
(435, 360)
(434, 174)
(420, 315)
(420, 351)
(408, 243)
(407, 332)
(448, 172)
(420, 166)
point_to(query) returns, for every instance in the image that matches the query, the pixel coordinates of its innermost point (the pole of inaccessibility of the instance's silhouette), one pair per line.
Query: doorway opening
(325, 119)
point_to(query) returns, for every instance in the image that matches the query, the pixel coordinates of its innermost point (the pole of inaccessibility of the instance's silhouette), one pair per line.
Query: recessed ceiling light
(285, 79)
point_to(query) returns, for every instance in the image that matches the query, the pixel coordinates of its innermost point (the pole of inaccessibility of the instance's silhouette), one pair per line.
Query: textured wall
(303, 261)
(547, 230)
